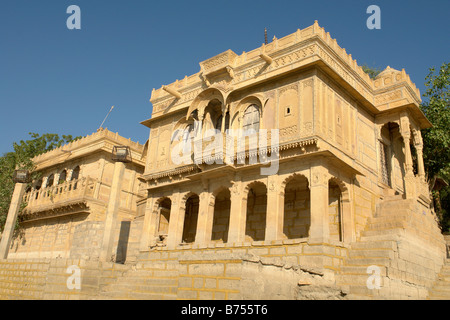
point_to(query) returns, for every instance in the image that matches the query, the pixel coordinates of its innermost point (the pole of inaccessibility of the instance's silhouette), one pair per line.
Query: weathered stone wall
(87, 240)
(49, 238)
(289, 269)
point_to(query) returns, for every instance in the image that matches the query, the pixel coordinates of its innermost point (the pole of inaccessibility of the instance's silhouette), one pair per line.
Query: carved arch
(238, 110)
(250, 185)
(292, 177)
(201, 101)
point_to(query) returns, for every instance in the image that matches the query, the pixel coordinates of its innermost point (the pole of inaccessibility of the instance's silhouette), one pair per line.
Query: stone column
(223, 122)
(406, 135)
(347, 221)
(176, 222)
(238, 214)
(320, 227)
(409, 173)
(205, 219)
(275, 210)
(69, 175)
(418, 144)
(149, 227)
(112, 212)
(56, 180)
(10, 224)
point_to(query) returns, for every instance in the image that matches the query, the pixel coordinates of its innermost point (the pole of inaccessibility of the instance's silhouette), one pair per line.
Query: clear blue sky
(55, 80)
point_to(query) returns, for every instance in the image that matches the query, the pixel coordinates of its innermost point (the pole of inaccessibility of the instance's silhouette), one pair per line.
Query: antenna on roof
(265, 36)
(101, 126)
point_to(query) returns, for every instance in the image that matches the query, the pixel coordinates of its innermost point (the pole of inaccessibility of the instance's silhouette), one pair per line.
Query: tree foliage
(436, 140)
(21, 157)
(371, 71)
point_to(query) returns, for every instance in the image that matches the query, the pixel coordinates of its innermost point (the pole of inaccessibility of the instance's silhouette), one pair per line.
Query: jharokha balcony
(69, 198)
(66, 198)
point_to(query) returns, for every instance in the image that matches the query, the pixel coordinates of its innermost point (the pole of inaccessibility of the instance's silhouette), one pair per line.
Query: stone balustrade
(65, 191)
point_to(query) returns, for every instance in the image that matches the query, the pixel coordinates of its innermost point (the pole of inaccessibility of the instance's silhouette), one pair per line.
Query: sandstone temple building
(344, 214)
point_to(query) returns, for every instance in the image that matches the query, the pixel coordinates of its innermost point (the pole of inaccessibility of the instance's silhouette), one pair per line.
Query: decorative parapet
(287, 53)
(102, 139)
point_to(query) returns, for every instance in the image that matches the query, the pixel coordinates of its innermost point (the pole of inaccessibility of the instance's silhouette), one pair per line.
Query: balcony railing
(75, 191)
(70, 190)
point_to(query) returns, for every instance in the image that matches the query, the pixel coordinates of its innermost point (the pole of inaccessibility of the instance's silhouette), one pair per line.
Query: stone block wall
(47, 279)
(297, 218)
(49, 238)
(87, 240)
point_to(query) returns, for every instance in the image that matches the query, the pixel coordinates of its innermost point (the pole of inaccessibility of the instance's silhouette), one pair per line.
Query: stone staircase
(356, 271)
(144, 282)
(441, 288)
(376, 248)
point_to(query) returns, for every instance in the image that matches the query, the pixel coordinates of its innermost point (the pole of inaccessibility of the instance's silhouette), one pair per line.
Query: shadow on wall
(122, 245)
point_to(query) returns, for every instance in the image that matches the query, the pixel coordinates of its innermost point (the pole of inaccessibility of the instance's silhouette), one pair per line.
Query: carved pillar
(44, 182)
(347, 222)
(409, 173)
(69, 175)
(238, 214)
(149, 228)
(320, 227)
(200, 130)
(224, 115)
(205, 219)
(275, 210)
(418, 144)
(406, 135)
(56, 180)
(176, 222)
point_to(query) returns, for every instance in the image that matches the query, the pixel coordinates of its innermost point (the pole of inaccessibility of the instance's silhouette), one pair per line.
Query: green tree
(436, 140)
(21, 157)
(371, 71)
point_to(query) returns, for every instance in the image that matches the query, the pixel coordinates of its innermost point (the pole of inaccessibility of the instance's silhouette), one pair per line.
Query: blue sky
(55, 80)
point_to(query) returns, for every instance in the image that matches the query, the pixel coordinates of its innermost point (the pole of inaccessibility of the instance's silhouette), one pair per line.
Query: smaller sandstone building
(344, 214)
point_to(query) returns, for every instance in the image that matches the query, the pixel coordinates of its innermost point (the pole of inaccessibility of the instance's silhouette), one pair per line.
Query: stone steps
(381, 234)
(441, 287)
(372, 253)
(377, 246)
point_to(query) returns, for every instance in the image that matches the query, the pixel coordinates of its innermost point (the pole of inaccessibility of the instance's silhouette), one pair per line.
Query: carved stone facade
(345, 192)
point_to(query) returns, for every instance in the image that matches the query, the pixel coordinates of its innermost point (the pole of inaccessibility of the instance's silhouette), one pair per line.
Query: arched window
(251, 118)
(62, 177)
(37, 187)
(50, 181)
(75, 176)
(76, 173)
